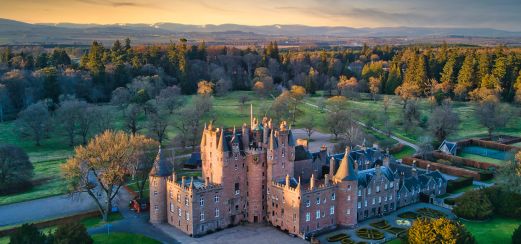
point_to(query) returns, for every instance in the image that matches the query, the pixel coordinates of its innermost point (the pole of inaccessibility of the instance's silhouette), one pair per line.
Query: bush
(449, 201)
(72, 233)
(516, 236)
(28, 234)
(474, 205)
(454, 185)
(15, 168)
(443, 230)
(506, 204)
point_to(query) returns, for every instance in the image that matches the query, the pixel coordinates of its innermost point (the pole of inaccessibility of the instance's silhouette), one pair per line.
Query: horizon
(500, 15)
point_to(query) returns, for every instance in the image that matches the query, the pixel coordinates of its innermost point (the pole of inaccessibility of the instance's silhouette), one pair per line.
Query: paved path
(45, 208)
(402, 141)
(317, 139)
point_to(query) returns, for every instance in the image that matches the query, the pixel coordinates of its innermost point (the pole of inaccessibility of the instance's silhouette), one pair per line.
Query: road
(401, 141)
(45, 208)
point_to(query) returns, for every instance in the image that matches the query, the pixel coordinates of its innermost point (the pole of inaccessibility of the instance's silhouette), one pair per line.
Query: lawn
(405, 152)
(122, 238)
(481, 158)
(48, 182)
(497, 230)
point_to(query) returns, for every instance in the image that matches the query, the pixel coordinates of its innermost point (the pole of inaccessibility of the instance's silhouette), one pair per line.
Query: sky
(499, 14)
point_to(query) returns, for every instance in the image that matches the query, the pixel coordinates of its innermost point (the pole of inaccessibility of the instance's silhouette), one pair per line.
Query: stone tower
(346, 179)
(161, 170)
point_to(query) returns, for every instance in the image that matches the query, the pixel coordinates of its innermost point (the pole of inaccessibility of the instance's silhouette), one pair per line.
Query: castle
(259, 174)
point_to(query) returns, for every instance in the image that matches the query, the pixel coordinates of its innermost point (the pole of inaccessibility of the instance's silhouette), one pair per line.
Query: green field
(482, 158)
(122, 238)
(497, 230)
(405, 152)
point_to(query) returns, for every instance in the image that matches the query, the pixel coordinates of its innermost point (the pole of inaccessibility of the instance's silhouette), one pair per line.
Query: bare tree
(157, 124)
(188, 123)
(411, 115)
(492, 115)
(131, 117)
(68, 115)
(336, 122)
(308, 123)
(169, 98)
(34, 121)
(352, 134)
(443, 121)
(87, 121)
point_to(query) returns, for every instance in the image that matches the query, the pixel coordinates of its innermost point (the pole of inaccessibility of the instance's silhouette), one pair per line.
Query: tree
(448, 75)
(142, 162)
(100, 167)
(157, 124)
(411, 116)
(205, 88)
(131, 117)
(188, 123)
(27, 234)
(386, 117)
(425, 146)
(351, 133)
(296, 93)
(473, 205)
(489, 89)
(120, 96)
(34, 122)
(466, 77)
(89, 118)
(443, 121)
(491, 115)
(442, 230)
(68, 116)
(242, 100)
(394, 79)
(517, 87)
(169, 98)
(407, 91)
(516, 236)
(16, 170)
(509, 176)
(374, 86)
(72, 233)
(347, 86)
(308, 123)
(51, 87)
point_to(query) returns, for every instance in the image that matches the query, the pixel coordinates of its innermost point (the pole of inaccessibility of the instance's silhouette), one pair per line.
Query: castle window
(186, 201)
(379, 199)
(369, 191)
(391, 197)
(178, 197)
(385, 187)
(187, 215)
(201, 201)
(359, 205)
(308, 217)
(348, 197)
(333, 196)
(283, 153)
(332, 210)
(365, 203)
(318, 200)
(317, 215)
(179, 212)
(385, 198)
(171, 195)
(391, 185)
(377, 189)
(202, 216)
(156, 208)
(155, 193)
(236, 167)
(348, 187)
(308, 203)
(374, 200)
(359, 193)
(216, 198)
(216, 212)
(237, 191)
(171, 207)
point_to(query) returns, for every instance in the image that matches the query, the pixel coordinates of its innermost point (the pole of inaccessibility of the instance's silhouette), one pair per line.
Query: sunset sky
(501, 14)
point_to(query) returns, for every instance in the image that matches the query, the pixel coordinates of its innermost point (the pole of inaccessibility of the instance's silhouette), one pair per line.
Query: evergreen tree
(448, 74)
(466, 77)
(420, 75)
(72, 233)
(51, 86)
(27, 234)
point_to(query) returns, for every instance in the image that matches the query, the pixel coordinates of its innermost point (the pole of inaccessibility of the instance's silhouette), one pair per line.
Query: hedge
(456, 184)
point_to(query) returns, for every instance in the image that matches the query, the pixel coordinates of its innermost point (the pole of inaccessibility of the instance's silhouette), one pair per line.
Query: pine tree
(466, 77)
(420, 75)
(447, 75)
(394, 79)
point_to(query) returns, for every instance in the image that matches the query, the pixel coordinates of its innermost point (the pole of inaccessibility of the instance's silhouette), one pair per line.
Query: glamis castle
(259, 174)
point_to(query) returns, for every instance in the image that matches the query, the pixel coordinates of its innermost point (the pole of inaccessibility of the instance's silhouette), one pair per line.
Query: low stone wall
(464, 161)
(54, 222)
(447, 169)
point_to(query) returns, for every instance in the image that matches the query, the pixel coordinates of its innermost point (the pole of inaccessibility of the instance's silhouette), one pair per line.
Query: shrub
(72, 233)
(441, 230)
(474, 205)
(516, 236)
(454, 185)
(506, 204)
(15, 168)
(337, 237)
(28, 233)
(449, 201)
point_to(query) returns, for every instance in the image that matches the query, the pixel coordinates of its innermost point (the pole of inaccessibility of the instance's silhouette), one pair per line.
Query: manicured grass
(4, 240)
(395, 241)
(481, 158)
(497, 230)
(97, 221)
(49, 182)
(466, 188)
(405, 152)
(122, 238)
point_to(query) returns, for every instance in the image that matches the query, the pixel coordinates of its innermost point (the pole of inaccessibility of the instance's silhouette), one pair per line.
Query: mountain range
(16, 32)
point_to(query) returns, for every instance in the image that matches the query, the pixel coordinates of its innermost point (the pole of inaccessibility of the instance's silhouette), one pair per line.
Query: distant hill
(15, 32)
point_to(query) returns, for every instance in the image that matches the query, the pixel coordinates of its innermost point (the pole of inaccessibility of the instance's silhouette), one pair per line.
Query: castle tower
(157, 178)
(347, 180)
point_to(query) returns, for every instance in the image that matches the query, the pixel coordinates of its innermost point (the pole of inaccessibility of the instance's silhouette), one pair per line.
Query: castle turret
(346, 179)
(158, 176)
(332, 165)
(346, 171)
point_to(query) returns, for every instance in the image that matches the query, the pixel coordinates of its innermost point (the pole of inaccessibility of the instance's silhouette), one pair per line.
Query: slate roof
(194, 160)
(365, 176)
(301, 153)
(291, 139)
(292, 182)
(227, 145)
(161, 166)
(448, 147)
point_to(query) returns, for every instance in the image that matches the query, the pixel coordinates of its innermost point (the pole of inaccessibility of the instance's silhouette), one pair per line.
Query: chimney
(414, 171)
(332, 165)
(192, 182)
(428, 168)
(326, 180)
(378, 170)
(312, 182)
(287, 181)
(386, 161)
(183, 180)
(298, 185)
(323, 148)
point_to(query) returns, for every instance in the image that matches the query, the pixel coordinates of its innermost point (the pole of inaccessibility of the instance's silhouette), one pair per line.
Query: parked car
(138, 205)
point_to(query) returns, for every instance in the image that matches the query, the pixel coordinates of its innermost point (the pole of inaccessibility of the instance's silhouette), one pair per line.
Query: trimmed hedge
(461, 182)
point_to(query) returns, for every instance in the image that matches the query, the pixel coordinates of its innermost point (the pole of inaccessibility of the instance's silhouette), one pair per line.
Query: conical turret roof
(161, 166)
(346, 170)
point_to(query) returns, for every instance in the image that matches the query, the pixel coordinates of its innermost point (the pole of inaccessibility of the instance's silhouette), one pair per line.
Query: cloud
(114, 3)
